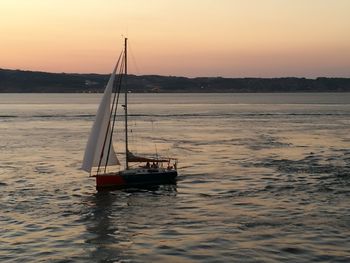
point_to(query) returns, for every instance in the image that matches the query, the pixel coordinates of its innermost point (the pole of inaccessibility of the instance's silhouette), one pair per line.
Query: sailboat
(100, 158)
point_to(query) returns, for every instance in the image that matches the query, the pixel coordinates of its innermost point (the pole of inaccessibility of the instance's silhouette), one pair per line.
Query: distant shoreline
(19, 81)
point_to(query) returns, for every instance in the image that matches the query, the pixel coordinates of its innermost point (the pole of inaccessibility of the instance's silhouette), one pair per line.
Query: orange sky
(232, 38)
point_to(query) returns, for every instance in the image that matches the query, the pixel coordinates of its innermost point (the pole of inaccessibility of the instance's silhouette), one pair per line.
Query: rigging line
(115, 104)
(131, 137)
(155, 146)
(114, 107)
(135, 137)
(108, 126)
(126, 104)
(152, 121)
(137, 69)
(109, 123)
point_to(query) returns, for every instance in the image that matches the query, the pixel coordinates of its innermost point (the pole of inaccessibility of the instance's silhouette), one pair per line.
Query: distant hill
(19, 81)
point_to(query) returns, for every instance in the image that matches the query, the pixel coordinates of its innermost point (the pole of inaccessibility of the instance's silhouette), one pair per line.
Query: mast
(126, 104)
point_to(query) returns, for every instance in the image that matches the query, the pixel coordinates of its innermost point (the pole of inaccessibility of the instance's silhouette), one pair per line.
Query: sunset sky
(231, 38)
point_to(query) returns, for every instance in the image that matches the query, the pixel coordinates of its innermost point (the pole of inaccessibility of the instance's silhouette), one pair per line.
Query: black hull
(138, 180)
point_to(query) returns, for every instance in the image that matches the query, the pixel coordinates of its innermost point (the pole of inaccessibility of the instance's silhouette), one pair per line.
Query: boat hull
(135, 179)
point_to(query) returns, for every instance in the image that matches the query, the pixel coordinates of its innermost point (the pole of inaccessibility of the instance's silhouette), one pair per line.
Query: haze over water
(263, 177)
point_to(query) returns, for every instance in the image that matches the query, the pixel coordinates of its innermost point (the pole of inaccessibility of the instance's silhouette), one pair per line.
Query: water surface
(263, 178)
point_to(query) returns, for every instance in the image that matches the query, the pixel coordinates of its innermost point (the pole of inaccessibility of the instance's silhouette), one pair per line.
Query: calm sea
(263, 178)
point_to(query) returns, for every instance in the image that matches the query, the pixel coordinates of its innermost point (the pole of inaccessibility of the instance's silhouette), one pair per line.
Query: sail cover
(100, 128)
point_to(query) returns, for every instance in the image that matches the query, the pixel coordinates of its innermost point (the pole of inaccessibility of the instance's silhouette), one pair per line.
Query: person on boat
(154, 165)
(148, 165)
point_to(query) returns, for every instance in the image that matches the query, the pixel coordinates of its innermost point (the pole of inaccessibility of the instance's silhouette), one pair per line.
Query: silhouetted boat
(100, 156)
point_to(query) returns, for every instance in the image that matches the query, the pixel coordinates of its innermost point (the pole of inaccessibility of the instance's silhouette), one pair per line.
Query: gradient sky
(231, 38)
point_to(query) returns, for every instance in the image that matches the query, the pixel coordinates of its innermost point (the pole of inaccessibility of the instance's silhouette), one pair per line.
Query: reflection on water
(106, 235)
(263, 177)
(109, 214)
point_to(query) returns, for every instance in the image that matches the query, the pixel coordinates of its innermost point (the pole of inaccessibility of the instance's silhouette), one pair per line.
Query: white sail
(98, 133)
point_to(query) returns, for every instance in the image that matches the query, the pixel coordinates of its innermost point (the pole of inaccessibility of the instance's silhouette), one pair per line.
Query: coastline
(19, 81)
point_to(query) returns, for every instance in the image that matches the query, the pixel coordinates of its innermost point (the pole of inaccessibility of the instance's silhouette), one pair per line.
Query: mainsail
(100, 135)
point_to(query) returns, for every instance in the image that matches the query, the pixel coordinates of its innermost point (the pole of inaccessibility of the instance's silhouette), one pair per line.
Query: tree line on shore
(19, 81)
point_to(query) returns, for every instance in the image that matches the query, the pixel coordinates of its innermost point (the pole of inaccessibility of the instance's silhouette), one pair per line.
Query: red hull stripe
(109, 180)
